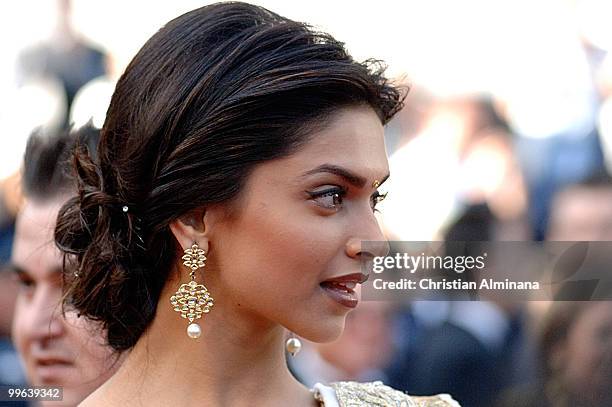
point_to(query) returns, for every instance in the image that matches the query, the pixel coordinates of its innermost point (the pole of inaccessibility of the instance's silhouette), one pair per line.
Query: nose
(45, 321)
(367, 240)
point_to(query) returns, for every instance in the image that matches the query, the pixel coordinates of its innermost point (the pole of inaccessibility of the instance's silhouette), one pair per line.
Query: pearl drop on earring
(194, 331)
(293, 346)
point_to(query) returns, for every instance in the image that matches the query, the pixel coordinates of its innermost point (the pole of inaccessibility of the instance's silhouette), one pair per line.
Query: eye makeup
(333, 198)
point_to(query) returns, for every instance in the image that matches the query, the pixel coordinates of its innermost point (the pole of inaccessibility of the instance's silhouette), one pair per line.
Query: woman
(237, 174)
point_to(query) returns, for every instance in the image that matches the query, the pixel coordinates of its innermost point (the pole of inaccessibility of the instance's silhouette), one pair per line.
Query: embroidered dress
(374, 394)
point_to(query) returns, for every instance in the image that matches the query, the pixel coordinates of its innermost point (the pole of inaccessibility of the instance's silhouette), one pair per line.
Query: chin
(324, 330)
(68, 399)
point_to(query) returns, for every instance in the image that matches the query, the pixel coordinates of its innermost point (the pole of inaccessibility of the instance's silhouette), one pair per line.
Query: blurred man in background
(55, 349)
(574, 338)
(10, 369)
(575, 344)
(64, 57)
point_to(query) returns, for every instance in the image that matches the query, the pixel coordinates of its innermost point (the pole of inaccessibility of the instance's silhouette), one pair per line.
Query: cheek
(583, 357)
(87, 339)
(93, 358)
(20, 327)
(282, 253)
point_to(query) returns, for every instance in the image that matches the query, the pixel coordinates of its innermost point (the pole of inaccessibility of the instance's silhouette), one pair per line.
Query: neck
(238, 360)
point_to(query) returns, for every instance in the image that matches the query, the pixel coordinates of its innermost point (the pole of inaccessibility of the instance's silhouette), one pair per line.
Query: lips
(52, 369)
(52, 361)
(341, 288)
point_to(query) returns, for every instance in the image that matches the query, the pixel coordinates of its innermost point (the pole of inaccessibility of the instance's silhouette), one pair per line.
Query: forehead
(581, 204)
(353, 137)
(33, 246)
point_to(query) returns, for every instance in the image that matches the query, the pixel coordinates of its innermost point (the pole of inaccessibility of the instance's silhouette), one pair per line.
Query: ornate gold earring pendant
(192, 299)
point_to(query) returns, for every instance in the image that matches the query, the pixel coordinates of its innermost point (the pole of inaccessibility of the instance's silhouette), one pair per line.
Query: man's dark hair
(47, 170)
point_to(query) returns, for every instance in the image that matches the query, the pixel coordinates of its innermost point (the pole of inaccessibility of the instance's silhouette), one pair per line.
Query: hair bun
(105, 252)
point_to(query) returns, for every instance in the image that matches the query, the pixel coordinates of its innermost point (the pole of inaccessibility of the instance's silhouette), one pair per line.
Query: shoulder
(376, 394)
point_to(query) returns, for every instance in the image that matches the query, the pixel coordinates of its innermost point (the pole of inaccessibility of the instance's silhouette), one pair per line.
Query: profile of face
(300, 221)
(54, 350)
(586, 355)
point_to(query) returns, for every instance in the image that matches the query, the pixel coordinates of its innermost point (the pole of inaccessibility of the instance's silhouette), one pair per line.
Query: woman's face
(55, 351)
(300, 222)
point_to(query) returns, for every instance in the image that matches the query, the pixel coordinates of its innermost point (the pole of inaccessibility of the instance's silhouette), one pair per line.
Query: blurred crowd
(531, 162)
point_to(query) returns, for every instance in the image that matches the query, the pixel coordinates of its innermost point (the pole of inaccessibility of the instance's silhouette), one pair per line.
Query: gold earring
(192, 299)
(293, 345)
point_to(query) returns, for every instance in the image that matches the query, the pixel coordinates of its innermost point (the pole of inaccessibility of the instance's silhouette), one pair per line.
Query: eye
(25, 283)
(377, 198)
(331, 198)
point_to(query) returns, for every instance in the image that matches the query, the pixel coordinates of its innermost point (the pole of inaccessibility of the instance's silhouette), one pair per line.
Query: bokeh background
(506, 135)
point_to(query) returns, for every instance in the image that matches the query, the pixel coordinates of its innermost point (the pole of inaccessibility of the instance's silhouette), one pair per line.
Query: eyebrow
(12, 267)
(20, 271)
(348, 176)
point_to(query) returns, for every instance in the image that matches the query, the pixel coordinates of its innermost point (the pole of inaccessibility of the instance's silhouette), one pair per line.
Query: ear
(190, 228)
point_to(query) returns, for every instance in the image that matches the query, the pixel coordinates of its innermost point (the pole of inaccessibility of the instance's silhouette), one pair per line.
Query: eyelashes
(333, 198)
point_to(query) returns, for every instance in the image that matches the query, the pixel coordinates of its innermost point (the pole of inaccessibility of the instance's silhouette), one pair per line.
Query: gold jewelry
(375, 184)
(293, 345)
(192, 299)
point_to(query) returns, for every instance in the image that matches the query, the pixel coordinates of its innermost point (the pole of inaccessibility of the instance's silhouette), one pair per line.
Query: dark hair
(555, 329)
(212, 94)
(46, 163)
